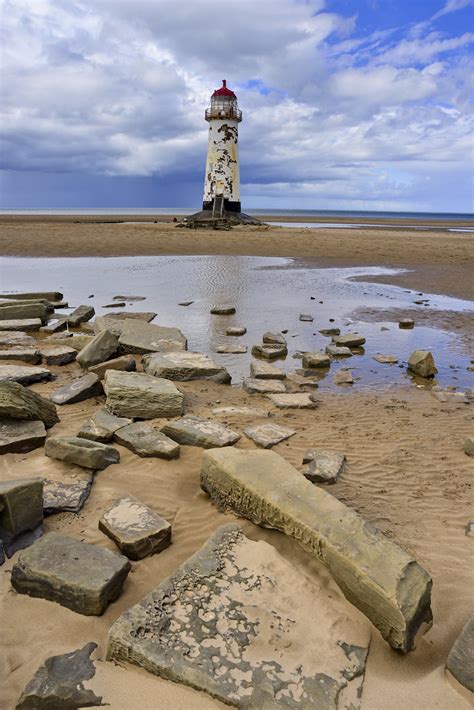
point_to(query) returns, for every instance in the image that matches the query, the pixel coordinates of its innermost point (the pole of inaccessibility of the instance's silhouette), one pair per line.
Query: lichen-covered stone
(66, 495)
(141, 396)
(124, 363)
(376, 575)
(102, 347)
(78, 390)
(81, 452)
(20, 436)
(144, 440)
(268, 435)
(262, 370)
(24, 374)
(18, 402)
(461, 657)
(196, 431)
(102, 426)
(140, 337)
(183, 366)
(421, 363)
(252, 385)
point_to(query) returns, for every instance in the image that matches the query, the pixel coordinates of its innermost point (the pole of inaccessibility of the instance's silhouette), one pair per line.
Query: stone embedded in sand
(29, 355)
(25, 311)
(236, 330)
(297, 400)
(223, 310)
(21, 325)
(102, 426)
(144, 440)
(421, 363)
(59, 683)
(261, 370)
(102, 347)
(385, 359)
(303, 380)
(17, 402)
(141, 396)
(55, 325)
(59, 355)
(18, 436)
(124, 363)
(66, 495)
(406, 323)
(268, 435)
(239, 412)
(350, 340)
(343, 377)
(330, 331)
(78, 390)
(231, 349)
(21, 505)
(139, 337)
(226, 622)
(196, 431)
(461, 657)
(377, 576)
(183, 366)
(469, 446)
(16, 339)
(338, 350)
(81, 314)
(136, 529)
(269, 352)
(82, 452)
(274, 338)
(316, 359)
(75, 574)
(324, 466)
(24, 374)
(258, 386)
(306, 317)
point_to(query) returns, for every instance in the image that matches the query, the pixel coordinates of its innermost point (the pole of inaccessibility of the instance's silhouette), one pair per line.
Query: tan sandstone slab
(268, 435)
(261, 370)
(196, 431)
(140, 337)
(252, 385)
(124, 363)
(184, 366)
(141, 396)
(290, 400)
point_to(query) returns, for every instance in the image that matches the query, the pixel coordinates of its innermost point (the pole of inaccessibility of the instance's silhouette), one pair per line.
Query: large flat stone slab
(184, 366)
(196, 431)
(24, 374)
(20, 436)
(17, 402)
(141, 396)
(102, 347)
(140, 337)
(102, 426)
(23, 324)
(269, 351)
(296, 400)
(377, 576)
(349, 340)
(78, 390)
(34, 295)
(323, 466)
(81, 314)
(81, 452)
(460, 661)
(75, 574)
(252, 385)
(234, 349)
(16, 339)
(226, 622)
(261, 370)
(136, 529)
(124, 363)
(268, 435)
(59, 355)
(23, 311)
(30, 355)
(66, 496)
(144, 440)
(239, 412)
(55, 325)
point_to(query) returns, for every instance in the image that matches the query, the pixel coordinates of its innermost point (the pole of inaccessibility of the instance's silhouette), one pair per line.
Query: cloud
(452, 6)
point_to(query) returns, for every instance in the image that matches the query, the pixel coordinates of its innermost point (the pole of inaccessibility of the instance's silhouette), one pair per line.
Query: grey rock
(60, 336)
(268, 435)
(297, 400)
(136, 529)
(223, 310)
(306, 318)
(102, 347)
(239, 412)
(324, 466)
(21, 505)
(406, 323)
(338, 350)
(185, 303)
(350, 340)
(274, 338)
(81, 314)
(195, 431)
(269, 352)
(34, 296)
(145, 316)
(316, 359)
(102, 426)
(113, 325)
(67, 496)
(330, 331)
(385, 359)
(128, 298)
(25, 302)
(17, 436)
(60, 355)
(184, 366)
(24, 374)
(141, 396)
(258, 386)
(231, 349)
(115, 304)
(78, 390)
(143, 439)
(76, 341)
(261, 370)
(343, 377)
(55, 325)
(25, 324)
(75, 574)
(16, 339)
(236, 330)
(469, 446)
(29, 355)
(17, 402)
(81, 452)
(139, 337)
(421, 363)
(124, 363)
(461, 657)
(26, 311)
(59, 683)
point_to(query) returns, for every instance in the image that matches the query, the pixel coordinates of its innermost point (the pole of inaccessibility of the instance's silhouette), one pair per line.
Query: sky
(347, 104)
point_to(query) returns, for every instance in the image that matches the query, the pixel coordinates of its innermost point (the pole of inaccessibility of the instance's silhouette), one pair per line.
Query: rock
(29, 355)
(274, 338)
(239, 412)
(469, 446)
(22, 312)
(141, 396)
(183, 366)
(78, 390)
(17, 402)
(268, 435)
(460, 661)
(21, 325)
(298, 400)
(421, 363)
(75, 574)
(195, 431)
(59, 336)
(226, 620)
(145, 316)
(343, 377)
(28, 302)
(113, 325)
(23, 374)
(54, 326)
(236, 330)
(143, 439)
(102, 347)
(34, 296)
(82, 452)
(115, 304)
(21, 514)
(102, 426)
(316, 359)
(59, 355)
(302, 380)
(259, 386)
(338, 350)
(406, 323)
(139, 337)
(66, 496)
(185, 303)
(324, 466)
(81, 314)
(377, 576)
(136, 529)
(16, 339)
(330, 331)
(75, 341)
(306, 318)
(124, 363)
(59, 683)
(17, 436)
(223, 310)
(266, 371)
(269, 352)
(350, 340)
(231, 349)
(469, 529)
(385, 359)
(128, 298)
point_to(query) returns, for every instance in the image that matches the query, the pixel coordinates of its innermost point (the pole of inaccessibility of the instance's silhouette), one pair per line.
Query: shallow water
(268, 293)
(361, 225)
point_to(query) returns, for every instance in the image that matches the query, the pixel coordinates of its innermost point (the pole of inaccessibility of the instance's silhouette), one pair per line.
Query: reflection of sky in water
(268, 293)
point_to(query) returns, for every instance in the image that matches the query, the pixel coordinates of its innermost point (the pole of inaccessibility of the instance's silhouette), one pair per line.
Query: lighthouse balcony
(223, 112)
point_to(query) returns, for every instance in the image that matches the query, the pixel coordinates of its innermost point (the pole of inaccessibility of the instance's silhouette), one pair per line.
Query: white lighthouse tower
(222, 179)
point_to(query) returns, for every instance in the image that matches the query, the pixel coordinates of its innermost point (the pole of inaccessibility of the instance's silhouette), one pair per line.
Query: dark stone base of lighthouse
(219, 214)
(228, 206)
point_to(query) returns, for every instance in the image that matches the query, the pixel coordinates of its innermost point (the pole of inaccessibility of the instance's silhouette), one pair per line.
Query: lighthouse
(222, 178)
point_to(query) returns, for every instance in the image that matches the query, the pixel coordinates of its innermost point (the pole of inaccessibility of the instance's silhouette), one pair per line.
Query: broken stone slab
(183, 366)
(135, 528)
(421, 363)
(146, 316)
(129, 298)
(338, 350)
(24, 374)
(377, 576)
(59, 336)
(239, 412)
(406, 323)
(258, 386)
(55, 325)
(261, 370)
(316, 359)
(16, 339)
(469, 446)
(223, 310)
(343, 377)
(26, 302)
(385, 359)
(102, 426)
(17, 402)
(330, 331)
(35, 295)
(17, 436)
(26, 324)
(59, 355)
(102, 347)
(141, 396)
(115, 304)
(124, 363)
(76, 341)
(350, 340)
(236, 649)
(75, 574)
(22, 312)
(78, 390)
(269, 352)
(59, 683)
(324, 466)
(303, 380)
(113, 325)
(21, 505)
(306, 317)
(66, 496)
(460, 661)
(29, 355)
(231, 349)
(274, 338)
(296, 400)
(81, 314)
(196, 431)
(142, 338)
(236, 330)
(144, 440)
(268, 435)
(82, 452)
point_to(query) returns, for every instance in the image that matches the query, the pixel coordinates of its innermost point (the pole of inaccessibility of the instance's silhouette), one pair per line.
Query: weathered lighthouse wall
(222, 166)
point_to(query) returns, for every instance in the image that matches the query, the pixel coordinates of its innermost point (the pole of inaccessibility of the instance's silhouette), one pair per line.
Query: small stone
(236, 330)
(338, 350)
(469, 530)
(54, 326)
(316, 359)
(460, 661)
(350, 340)
(324, 466)
(124, 363)
(128, 298)
(195, 431)
(23, 374)
(274, 338)
(78, 390)
(29, 355)
(239, 412)
(137, 530)
(406, 323)
(231, 349)
(268, 435)
(223, 310)
(386, 359)
(259, 386)
(82, 452)
(141, 396)
(66, 496)
(469, 446)
(266, 371)
(306, 318)
(343, 377)
(17, 436)
(81, 314)
(102, 426)
(144, 440)
(75, 574)
(303, 380)
(102, 347)
(269, 352)
(298, 400)
(59, 355)
(185, 303)
(330, 331)
(421, 363)
(115, 304)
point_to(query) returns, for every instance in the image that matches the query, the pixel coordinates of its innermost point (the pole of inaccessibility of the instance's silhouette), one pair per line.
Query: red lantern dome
(224, 91)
